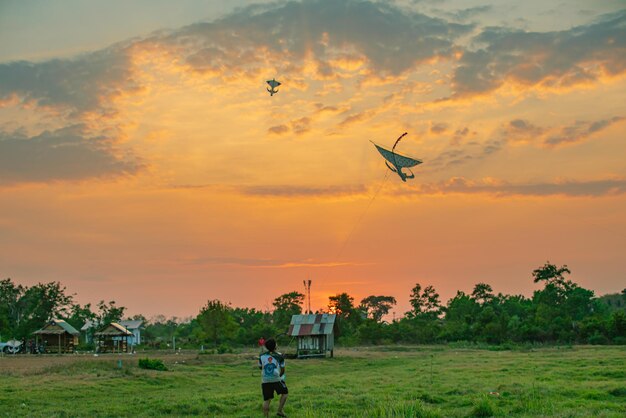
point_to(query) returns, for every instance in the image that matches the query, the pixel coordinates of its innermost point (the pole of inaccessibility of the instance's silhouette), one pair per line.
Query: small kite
(273, 84)
(399, 161)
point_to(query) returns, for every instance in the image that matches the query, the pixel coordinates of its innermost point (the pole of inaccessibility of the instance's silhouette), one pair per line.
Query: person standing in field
(272, 365)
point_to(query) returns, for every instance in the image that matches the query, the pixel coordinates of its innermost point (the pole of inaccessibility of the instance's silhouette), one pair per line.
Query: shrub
(597, 339)
(224, 348)
(483, 408)
(152, 364)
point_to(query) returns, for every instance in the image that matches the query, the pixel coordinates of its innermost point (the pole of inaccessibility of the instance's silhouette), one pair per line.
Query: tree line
(560, 312)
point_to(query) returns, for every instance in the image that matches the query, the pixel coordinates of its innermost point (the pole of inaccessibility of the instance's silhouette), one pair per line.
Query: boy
(272, 365)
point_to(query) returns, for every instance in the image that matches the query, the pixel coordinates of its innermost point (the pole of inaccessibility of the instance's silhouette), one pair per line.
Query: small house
(113, 338)
(314, 334)
(57, 336)
(133, 326)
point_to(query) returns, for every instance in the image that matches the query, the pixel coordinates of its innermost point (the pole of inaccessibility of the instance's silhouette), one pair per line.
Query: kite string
(360, 219)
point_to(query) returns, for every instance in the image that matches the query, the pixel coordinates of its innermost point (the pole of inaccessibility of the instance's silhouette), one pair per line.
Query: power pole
(307, 292)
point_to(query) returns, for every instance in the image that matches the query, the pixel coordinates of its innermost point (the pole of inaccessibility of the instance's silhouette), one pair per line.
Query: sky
(143, 161)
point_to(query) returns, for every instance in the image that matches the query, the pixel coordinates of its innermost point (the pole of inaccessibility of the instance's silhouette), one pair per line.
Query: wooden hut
(113, 338)
(57, 336)
(314, 333)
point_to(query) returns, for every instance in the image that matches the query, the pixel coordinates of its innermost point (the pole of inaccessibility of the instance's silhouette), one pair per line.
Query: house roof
(57, 326)
(312, 324)
(114, 329)
(131, 324)
(128, 324)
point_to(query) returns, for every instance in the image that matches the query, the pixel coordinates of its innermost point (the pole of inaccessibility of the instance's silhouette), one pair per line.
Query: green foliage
(483, 408)
(377, 306)
(286, 306)
(152, 364)
(224, 348)
(424, 303)
(217, 322)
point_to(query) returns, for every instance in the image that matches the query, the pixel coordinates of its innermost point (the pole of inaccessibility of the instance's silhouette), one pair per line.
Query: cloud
(438, 128)
(592, 188)
(580, 131)
(84, 83)
(65, 154)
(278, 129)
(301, 191)
(551, 59)
(390, 39)
(297, 126)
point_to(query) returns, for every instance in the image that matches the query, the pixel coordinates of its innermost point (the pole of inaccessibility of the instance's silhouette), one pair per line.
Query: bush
(224, 348)
(152, 364)
(598, 339)
(483, 408)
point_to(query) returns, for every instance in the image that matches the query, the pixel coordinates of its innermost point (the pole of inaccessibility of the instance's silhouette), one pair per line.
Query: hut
(57, 336)
(314, 333)
(113, 338)
(134, 326)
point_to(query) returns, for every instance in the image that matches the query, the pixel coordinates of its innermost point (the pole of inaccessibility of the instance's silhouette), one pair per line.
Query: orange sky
(158, 172)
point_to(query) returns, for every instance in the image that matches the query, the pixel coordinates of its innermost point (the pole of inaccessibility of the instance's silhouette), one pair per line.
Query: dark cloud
(80, 84)
(297, 126)
(392, 40)
(553, 59)
(580, 131)
(64, 154)
(593, 188)
(278, 129)
(439, 128)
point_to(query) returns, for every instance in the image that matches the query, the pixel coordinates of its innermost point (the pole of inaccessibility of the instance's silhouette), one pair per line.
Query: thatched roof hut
(57, 336)
(113, 338)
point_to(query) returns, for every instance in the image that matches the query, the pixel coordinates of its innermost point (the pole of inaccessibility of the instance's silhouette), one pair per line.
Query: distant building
(314, 333)
(113, 338)
(57, 336)
(134, 326)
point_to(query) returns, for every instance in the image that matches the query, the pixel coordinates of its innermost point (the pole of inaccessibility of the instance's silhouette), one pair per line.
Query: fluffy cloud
(85, 83)
(551, 59)
(391, 40)
(64, 154)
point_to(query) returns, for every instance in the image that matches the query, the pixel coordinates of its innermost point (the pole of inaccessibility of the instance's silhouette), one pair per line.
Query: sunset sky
(143, 161)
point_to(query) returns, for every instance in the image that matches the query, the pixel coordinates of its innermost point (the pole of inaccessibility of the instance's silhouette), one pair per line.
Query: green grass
(417, 381)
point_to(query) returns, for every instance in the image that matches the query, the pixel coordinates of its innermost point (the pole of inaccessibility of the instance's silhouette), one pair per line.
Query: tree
(341, 304)
(38, 305)
(482, 293)
(109, 313)
(10, 295)
(79, 315)
(551, 274)
(286, 306)
(424, 303)
(217, 322)
(377, 306)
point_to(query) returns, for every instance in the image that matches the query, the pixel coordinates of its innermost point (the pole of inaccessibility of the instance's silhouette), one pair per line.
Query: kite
(273, 84)
(398, 161)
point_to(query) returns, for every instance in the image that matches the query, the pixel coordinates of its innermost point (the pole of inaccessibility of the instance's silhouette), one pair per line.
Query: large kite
(397, 160)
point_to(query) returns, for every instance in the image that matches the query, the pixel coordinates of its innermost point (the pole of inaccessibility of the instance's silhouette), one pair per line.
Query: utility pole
(307, 292)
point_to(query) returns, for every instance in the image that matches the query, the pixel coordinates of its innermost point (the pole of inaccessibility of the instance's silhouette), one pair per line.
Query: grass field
(390, 381)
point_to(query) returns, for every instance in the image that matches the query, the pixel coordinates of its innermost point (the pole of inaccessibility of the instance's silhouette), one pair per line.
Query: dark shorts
(269, 389)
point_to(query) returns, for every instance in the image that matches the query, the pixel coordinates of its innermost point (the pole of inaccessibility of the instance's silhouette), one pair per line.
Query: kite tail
(398, 140)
